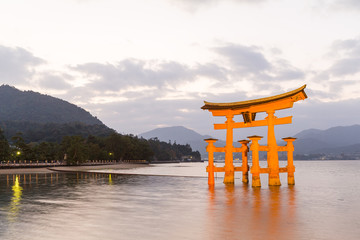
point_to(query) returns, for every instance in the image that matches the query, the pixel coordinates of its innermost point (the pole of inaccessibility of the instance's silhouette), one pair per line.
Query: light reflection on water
(324, 204)
(252, 213)
(15, 200)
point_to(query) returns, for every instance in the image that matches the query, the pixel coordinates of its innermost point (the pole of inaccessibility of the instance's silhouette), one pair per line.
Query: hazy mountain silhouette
(181, 135)
(337, 136)
(333, 140)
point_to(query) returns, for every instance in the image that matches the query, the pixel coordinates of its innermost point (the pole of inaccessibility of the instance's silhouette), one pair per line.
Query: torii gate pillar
(229, 165)
(272, 153)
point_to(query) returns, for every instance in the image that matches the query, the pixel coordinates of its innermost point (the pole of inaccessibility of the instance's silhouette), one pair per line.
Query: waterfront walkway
(17, 168)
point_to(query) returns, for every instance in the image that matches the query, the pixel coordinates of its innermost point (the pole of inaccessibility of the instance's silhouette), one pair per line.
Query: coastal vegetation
(77, 149)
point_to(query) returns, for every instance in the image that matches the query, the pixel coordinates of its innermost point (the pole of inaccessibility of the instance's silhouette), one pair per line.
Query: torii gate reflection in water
(248, 110)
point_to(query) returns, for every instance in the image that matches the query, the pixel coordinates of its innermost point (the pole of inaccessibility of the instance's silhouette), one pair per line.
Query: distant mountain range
(180, 135)
(44, 118)
(336, 140)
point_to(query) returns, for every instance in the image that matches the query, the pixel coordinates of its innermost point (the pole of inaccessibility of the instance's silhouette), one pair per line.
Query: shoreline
(70, 168)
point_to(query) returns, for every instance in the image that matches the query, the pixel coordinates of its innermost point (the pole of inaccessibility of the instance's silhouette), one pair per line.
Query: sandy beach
(70, 168)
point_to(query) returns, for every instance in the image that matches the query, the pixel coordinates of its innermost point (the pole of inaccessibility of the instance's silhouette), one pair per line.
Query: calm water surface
(324, 204)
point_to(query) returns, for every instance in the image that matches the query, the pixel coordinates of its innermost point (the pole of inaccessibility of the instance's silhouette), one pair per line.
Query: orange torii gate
(248, 110)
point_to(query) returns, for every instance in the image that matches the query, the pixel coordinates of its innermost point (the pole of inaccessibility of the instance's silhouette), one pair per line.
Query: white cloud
(53, 80)
(352, 5)
(346, 54)
(194, 5)
(245, 59)
(347, 66)
(17, 65)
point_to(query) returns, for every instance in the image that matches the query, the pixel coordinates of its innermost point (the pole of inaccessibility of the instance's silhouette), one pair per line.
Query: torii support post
(290, 167)
(245, 166)
(229, 165)
(210, 168)
(272, 153)
(255, 169)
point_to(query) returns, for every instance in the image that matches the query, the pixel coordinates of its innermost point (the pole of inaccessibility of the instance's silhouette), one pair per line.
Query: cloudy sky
(142, 64)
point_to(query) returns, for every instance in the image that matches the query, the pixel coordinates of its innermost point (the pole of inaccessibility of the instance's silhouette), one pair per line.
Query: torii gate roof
(292, 96)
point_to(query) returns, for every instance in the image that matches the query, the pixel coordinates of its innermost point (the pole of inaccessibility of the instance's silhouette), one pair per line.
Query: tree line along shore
(76, 150)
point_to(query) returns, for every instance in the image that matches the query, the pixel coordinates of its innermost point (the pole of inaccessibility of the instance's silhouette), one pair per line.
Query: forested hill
(42, 118)
(38, 127)
(52, 132)
(16, 105)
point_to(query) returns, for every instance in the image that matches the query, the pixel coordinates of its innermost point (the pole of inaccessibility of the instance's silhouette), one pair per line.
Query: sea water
(324, 204)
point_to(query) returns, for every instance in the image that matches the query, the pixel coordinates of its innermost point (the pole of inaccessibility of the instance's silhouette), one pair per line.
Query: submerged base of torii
(248, 110)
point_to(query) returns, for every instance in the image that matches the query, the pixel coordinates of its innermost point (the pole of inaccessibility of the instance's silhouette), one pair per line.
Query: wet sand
(70, 168)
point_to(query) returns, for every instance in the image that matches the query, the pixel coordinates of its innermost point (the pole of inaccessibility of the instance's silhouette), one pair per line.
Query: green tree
(46, 151)
(75, 149)
(4, 147)
(96, 146)
(166, 151)
(20, 151)
(115, 145)
(143, 150)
